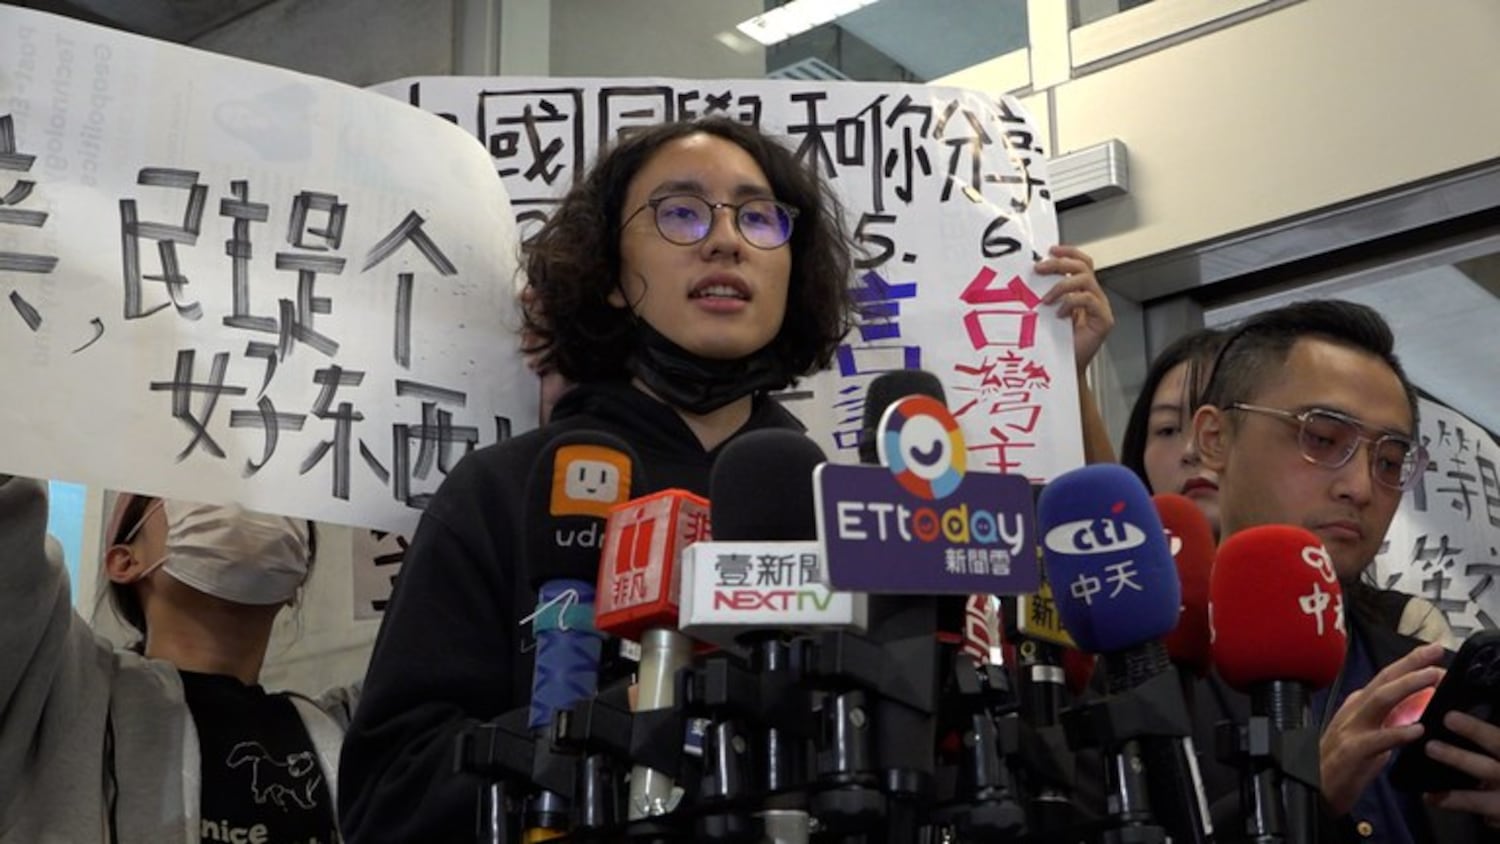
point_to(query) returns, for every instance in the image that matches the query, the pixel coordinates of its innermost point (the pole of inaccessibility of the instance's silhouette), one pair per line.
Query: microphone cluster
(768, 706)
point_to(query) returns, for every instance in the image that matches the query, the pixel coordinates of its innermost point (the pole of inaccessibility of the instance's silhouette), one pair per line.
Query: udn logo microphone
(587, 481)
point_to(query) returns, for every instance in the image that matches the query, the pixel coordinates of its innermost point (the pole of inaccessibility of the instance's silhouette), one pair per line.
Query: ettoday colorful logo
(923, 446)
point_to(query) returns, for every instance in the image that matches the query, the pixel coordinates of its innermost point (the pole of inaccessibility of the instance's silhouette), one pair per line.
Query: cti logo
(1095, 536)
(587, 480)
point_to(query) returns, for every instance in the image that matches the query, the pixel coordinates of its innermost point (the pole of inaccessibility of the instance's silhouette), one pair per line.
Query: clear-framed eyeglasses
(686, 219)
(1329, 438)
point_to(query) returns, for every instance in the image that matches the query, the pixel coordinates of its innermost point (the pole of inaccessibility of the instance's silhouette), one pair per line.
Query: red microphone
(1276, 614)
(637, 599)
(1191, 540)
(1277, 610)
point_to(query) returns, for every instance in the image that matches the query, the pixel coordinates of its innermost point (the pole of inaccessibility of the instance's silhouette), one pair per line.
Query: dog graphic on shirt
(296, 779)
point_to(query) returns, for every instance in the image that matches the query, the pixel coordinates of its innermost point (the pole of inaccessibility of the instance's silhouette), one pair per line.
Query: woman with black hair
(1159, 431)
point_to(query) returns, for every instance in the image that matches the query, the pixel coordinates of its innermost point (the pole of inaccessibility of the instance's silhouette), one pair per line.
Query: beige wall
(1310, 105)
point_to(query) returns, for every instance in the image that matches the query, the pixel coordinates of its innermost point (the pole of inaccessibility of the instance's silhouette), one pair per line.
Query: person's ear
(121, 565)
(1211, 437)
(616, 297)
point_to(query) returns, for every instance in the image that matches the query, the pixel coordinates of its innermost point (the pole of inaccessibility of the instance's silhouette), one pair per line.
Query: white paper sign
(228, 281)
(945, 189)
(1444, 543)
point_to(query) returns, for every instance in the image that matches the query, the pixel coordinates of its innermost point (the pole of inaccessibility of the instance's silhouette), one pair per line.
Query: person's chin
(723, 346)
(1350, 556)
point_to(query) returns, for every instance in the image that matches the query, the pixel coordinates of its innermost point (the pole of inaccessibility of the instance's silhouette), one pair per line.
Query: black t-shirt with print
(261, 778)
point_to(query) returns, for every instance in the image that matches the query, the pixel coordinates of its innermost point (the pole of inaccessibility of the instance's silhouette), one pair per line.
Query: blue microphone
(1119, 594)
(1107, 559)
(577, 477)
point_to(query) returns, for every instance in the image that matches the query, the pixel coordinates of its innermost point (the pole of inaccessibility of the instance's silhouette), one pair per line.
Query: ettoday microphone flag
(924, 524)
(1107, 559)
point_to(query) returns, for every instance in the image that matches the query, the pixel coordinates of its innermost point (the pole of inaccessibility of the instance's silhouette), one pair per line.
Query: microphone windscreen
(577, 477)
(761, 488)
(1107, 559)
(1276, 609)
(885, 390)
(1191, 541)
(1078, 670)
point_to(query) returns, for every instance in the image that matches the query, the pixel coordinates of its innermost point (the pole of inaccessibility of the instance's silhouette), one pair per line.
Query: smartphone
(1471, 685)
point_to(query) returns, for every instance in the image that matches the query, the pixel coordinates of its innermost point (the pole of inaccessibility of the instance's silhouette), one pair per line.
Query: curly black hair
(572, 264)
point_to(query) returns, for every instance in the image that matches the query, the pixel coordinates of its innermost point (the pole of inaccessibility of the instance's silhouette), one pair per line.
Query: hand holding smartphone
(1472, 685)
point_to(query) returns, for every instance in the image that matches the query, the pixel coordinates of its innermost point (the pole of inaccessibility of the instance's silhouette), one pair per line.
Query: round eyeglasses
(1329, 438)
(686, 219)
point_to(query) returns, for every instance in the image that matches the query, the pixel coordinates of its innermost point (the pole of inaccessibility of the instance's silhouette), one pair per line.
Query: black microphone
(780, 463)
(886, 390)
(576, 478)
(906, 738)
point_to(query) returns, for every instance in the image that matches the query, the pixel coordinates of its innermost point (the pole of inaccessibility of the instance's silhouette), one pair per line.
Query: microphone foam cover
(885, 390)
(576, 478)
(1107, 559)
(1276, 609)
(761, 488)
(1191, 541)
(1078, 670)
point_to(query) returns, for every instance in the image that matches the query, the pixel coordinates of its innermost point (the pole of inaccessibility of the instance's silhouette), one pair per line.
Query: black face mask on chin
(697, 384)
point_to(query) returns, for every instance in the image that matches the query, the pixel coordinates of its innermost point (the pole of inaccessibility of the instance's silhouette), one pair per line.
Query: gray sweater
(85, 725)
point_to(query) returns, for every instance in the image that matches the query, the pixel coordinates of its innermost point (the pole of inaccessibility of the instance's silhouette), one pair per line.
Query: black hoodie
(448, 653)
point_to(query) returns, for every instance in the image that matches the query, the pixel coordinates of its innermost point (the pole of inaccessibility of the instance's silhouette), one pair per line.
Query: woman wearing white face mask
(171, 740)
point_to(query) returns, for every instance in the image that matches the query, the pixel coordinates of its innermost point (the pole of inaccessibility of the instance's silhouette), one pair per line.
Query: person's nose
(723, 238)
(1353, 480)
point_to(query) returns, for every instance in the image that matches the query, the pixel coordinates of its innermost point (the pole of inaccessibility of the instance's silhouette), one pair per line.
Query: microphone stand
(1277, 752)
(504, 753)
(726, 694)
(614, 739)
(1047, 769)
(985, 805)
(1121, 723)
(782, 757)
(847, 800)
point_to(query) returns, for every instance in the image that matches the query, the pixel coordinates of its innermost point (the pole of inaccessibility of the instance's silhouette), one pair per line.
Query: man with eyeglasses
(1310, 420)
